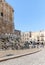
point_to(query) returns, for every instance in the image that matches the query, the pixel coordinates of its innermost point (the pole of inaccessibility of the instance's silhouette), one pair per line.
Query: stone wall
(6, 18)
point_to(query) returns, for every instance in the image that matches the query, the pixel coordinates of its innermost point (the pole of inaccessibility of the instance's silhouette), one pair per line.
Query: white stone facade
(25, 36)
(35, 36)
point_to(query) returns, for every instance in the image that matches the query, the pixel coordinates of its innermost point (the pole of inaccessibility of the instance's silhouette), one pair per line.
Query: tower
(6, 18)
(2, 0)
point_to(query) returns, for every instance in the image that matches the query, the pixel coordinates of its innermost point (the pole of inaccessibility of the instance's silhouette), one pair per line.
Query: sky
(29, 15)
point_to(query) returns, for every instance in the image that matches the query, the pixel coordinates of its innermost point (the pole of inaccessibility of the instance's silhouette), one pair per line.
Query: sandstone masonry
(6, 18)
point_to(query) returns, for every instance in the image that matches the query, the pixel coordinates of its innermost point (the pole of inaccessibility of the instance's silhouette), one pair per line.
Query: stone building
(25, 36)
(38, 36)
(17, 33)
(33, 36)
(6, 18)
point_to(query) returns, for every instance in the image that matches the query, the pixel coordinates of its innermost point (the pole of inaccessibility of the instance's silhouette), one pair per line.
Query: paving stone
(34, 59)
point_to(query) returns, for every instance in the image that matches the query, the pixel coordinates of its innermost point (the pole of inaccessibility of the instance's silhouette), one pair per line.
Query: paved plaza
(34, 59)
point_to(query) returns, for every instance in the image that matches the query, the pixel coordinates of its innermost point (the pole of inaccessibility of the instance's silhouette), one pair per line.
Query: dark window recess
(30, 34)
(1, 13)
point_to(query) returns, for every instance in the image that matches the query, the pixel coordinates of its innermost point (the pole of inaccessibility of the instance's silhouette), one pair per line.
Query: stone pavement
(34, 59)
(18, 53)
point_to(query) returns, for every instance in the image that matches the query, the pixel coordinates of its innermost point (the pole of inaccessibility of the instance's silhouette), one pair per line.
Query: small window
(30, 34)
(1, 13)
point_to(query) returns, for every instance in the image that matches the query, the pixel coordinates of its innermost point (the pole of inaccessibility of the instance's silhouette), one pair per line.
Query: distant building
(6, 18)
(25, 36)
(33, 36)
(17, 33)
(38, 36)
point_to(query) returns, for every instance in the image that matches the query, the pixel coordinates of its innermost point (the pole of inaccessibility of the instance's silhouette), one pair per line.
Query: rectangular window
(1, 13)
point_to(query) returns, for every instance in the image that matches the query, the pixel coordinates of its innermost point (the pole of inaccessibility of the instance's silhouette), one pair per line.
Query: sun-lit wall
(6, 18)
